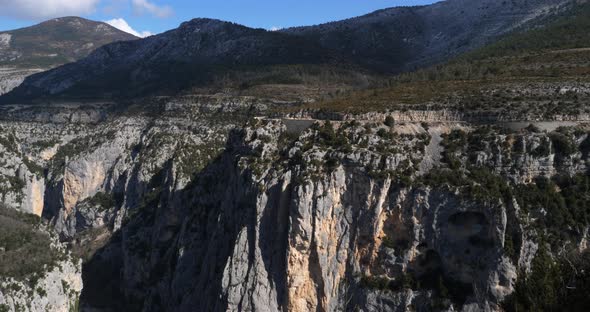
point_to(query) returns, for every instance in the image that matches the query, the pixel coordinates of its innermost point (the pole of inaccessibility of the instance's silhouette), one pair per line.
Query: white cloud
(143, 6)
(45, 9)
(121, 24)
(275, 28)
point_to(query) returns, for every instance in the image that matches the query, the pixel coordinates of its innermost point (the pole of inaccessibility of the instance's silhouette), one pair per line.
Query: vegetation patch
(558, 204)
(25, 250)
(102, 200)
(553, 284)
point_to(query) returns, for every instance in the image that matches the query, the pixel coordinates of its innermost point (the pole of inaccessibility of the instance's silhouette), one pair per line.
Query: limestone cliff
(381, 212)
(58, 290)
(343, 216)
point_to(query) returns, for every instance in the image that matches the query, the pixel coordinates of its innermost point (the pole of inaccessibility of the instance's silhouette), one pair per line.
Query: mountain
(56, 42)
(524, 70)
(203, 51)
(52, 43)
(190, 55)
(406, 38)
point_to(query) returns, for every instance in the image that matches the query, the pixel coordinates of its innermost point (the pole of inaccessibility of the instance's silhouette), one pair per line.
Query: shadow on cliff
(174, 249)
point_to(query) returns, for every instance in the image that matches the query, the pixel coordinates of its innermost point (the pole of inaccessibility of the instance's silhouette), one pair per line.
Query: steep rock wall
(316, 224)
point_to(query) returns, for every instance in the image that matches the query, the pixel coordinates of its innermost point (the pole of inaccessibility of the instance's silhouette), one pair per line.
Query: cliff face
(375, 214)
(357, 217)
(444, 201)
(22, 185)
(89, 176)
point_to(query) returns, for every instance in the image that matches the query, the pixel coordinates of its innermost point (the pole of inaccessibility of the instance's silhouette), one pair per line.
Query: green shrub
(331, 163)
(384, 134)
(533, 128)
(509, 249)
(400, 245)
(33, 167)
(453, 143)
(543, 150)
(563, 145)
(373, 282)
(327, 136)
(565, 199)
(539, 291)
(585, 146)
(389, 121)
(102, 200)
(42, 292)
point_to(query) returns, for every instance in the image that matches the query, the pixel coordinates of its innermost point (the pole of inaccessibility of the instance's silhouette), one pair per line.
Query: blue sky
(155, 16)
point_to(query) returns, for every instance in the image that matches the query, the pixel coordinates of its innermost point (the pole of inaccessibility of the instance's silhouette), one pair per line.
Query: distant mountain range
(50, 44)
(56, 42)
(203, 51)
(175, 60)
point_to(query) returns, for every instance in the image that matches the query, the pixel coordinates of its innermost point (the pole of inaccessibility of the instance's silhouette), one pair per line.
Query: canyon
(217, 167)
(169, 210)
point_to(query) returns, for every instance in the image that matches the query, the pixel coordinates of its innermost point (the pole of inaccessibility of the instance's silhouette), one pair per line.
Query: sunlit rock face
(313, 224)
(284, 215)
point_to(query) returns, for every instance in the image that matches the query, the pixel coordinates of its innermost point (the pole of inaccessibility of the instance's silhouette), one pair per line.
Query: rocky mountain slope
(215, 54)
(86, 175)
(12, 77)
(402, 39)
(56, 42)
(198, 53)
(345, 214)
(538, 74)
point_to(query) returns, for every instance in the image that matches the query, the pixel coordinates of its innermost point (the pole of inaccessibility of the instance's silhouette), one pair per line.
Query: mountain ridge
(405, 38)
(201, 51)
(56, 41)
(29, 50)
(193, 52)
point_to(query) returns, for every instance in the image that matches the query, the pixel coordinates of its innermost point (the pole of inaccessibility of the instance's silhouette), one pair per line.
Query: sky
(147, 17)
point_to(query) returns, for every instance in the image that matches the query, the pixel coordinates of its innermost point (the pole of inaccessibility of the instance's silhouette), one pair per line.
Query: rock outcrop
(58, 290)
(375, 214)
(223, 201)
